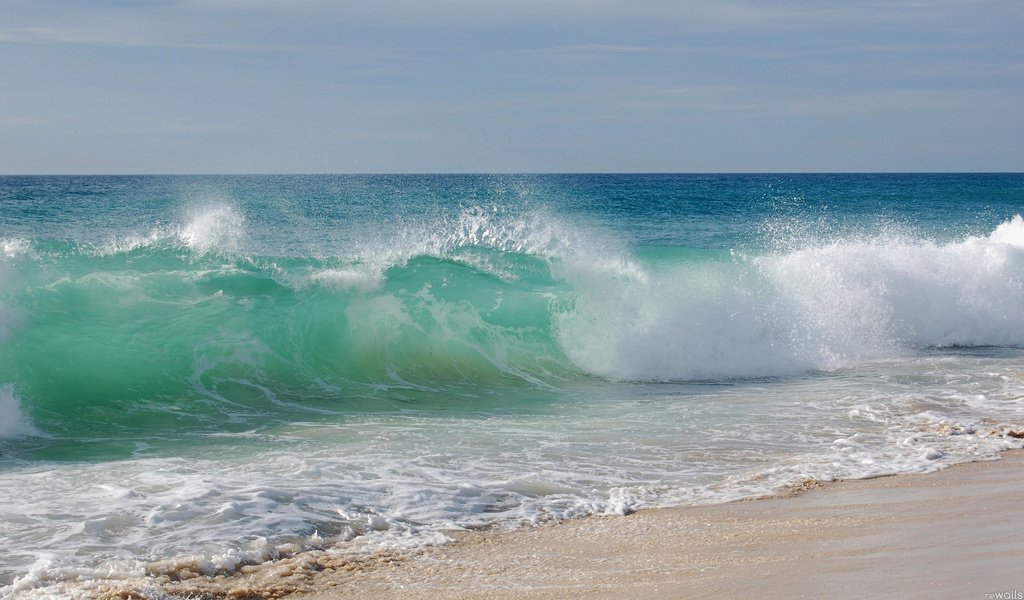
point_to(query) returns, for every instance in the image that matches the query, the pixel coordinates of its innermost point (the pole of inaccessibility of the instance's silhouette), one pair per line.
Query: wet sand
(958, 533)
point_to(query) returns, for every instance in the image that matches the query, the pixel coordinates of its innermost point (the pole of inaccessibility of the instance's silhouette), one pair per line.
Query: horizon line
(502, 173)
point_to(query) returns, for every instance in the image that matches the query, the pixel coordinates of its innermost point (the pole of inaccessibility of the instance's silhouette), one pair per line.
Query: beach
(957, 533)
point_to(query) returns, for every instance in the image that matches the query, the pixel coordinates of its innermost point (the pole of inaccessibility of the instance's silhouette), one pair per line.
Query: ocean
(202, 373)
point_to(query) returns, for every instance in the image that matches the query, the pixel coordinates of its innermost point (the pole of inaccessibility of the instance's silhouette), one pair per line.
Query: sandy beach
(957, 533)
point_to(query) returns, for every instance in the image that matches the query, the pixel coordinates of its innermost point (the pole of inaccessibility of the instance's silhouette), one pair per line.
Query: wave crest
(496, 299)
(826, 305)
(206, 229)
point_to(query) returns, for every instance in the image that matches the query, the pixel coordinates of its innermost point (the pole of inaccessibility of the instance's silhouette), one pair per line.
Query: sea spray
(865, 296)
(13, 422)
(823, 305)
(541, 293)
(492, 301)
(213, 227)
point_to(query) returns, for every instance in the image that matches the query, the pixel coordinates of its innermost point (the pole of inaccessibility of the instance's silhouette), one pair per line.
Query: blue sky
(311, 86)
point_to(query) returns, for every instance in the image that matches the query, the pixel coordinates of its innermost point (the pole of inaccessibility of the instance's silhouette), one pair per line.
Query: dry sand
(958, 533)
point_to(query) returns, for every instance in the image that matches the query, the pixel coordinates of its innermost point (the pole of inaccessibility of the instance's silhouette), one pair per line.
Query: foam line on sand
(955, 533)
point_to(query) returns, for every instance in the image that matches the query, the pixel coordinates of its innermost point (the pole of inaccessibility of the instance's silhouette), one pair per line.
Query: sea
(202, 374)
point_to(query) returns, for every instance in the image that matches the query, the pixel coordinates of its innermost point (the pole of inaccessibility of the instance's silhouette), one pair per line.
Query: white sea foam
(13, 422)
(821, 306)
(882, 291)
(398, 481)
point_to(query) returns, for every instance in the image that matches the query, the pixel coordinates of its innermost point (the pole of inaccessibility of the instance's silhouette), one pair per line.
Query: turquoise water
(196, 369)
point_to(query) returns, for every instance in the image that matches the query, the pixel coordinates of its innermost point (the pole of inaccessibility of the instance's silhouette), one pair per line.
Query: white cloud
(598, 49)
(106, 36)
(553, 72)
(17, 121)
(699, 98)
(873, 102)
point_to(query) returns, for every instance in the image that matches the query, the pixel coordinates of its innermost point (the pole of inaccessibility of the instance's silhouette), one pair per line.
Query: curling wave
(187, 328)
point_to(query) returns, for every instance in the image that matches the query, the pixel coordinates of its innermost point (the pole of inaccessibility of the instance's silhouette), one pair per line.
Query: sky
(318, 86)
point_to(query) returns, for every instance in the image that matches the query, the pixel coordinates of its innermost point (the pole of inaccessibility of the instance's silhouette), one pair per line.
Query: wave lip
(213, 229)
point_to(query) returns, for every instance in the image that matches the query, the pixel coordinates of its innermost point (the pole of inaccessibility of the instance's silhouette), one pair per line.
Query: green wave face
(163, 339)
(235, 320)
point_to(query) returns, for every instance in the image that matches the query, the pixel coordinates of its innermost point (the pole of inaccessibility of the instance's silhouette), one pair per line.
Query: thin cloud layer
(552, 85)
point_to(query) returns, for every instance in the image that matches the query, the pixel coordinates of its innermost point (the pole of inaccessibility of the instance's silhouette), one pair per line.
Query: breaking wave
(482, 298)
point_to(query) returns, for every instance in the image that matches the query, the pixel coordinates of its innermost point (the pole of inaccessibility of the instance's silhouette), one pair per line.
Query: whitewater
(199, 374)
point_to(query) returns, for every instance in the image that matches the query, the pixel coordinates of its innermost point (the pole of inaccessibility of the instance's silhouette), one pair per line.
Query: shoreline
(957, 532)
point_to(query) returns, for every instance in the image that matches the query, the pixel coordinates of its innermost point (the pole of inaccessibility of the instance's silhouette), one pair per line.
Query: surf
(181, 327)
(202, 373)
